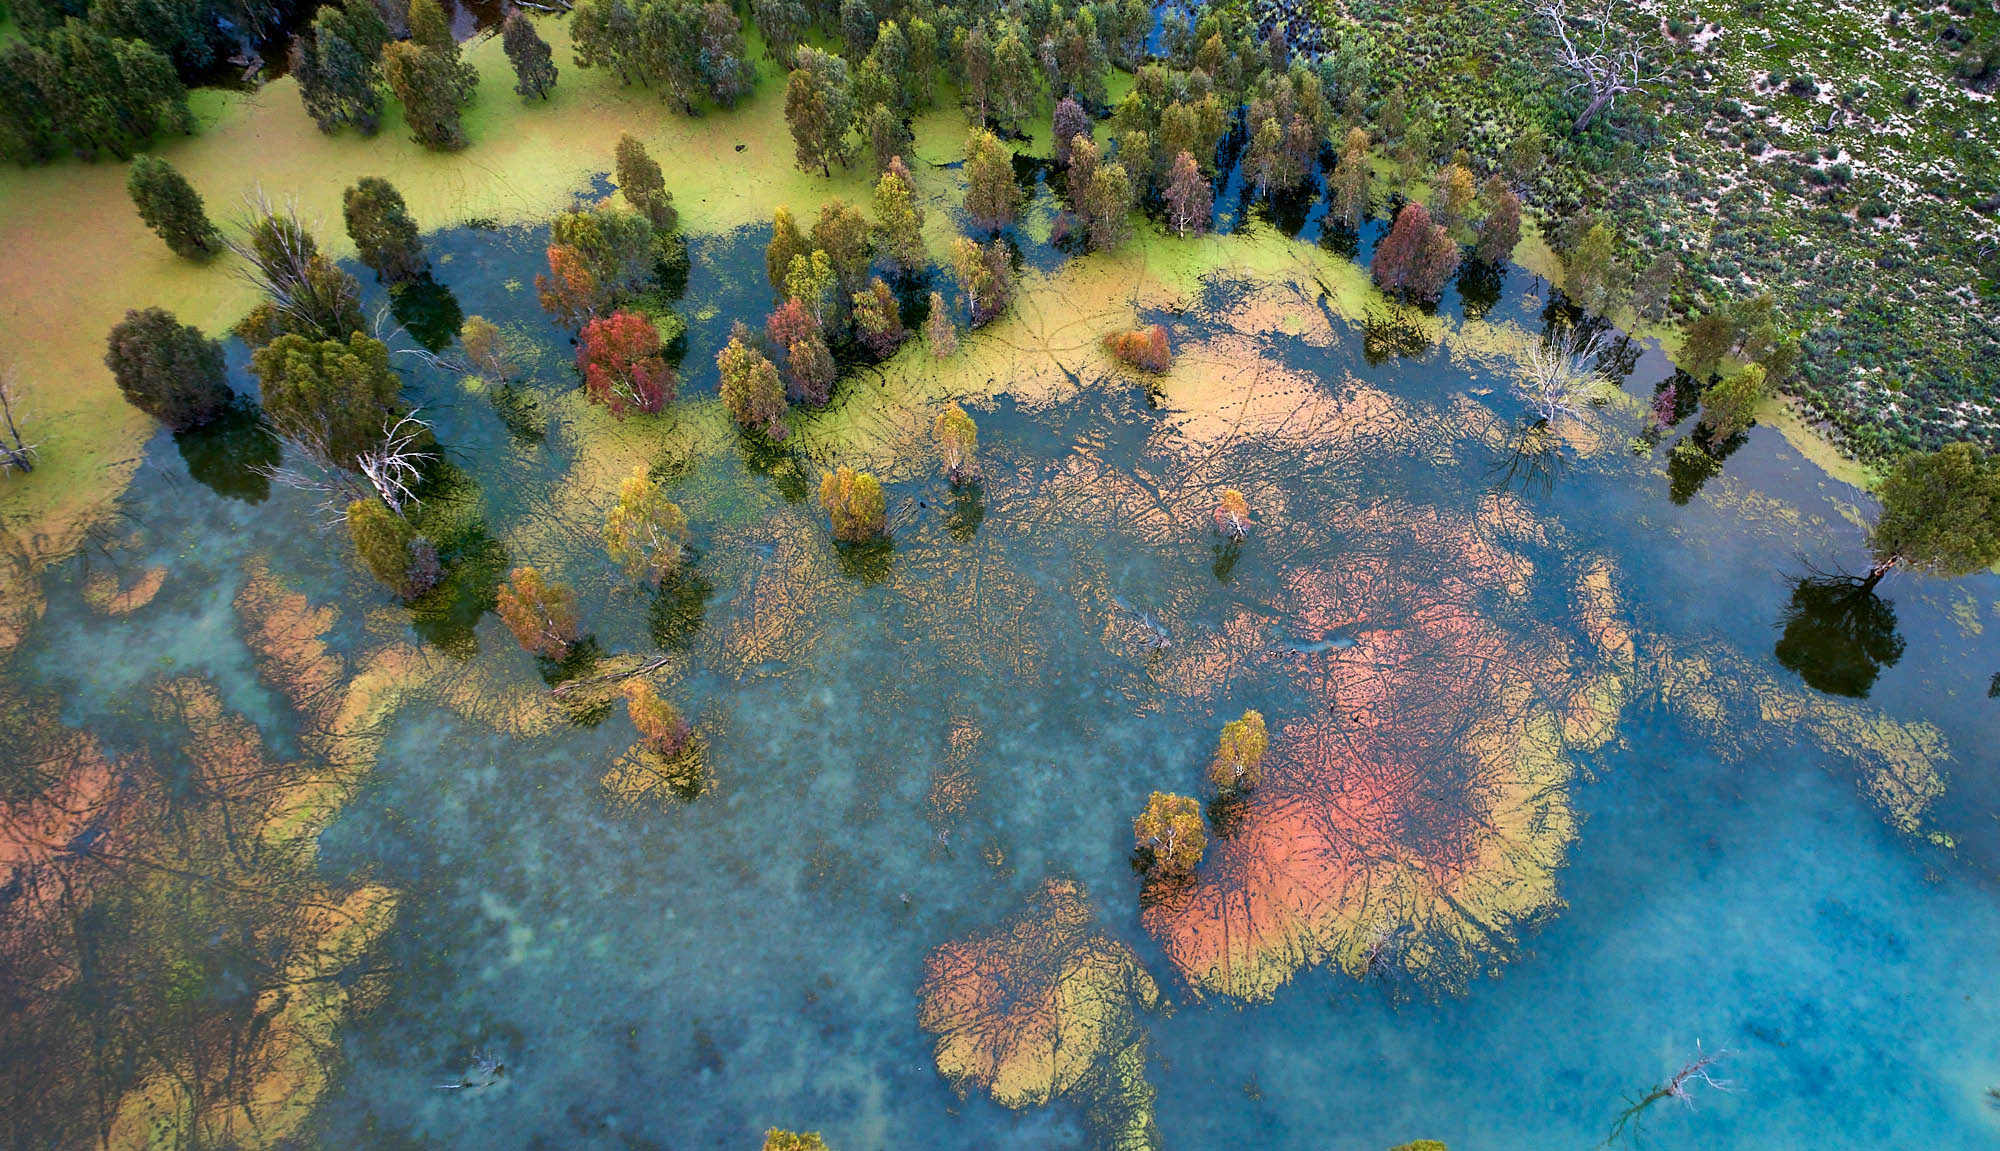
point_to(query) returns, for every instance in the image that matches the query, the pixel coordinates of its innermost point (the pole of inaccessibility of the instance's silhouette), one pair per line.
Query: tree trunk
(1598, 102)
(1875, 573)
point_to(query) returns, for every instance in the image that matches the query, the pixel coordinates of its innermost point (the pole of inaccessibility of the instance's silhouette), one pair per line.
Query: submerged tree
(1107, 205)
(899, 220)
(534, 65)
(985, 276)
(167, 369)
(1169, 835)
(1417, 258)
(486, 349)
(1143, 348)
(1680, 1087)
(170, 206)
(992, 198)
(662, 729)
(1239, 753)
(1232, 515)
(750, 387)
(541, 614)
(305, 294)
(958, 445)
(338, 397)
(623, 368)
(394, 553)
(645, 532)
(642, 184)
(939, 331)
(878, 322)
(1940, 514)
(1559, 375)
(819, 107)
(777, 1140)
(385, 237)
(855, 503)
(787, 244)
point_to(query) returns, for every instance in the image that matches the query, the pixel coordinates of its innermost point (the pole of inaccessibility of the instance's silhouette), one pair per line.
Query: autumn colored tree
(622, 365)
(787, 242)
(811, 281)
(337, 397)
(789, 323)
(540, 613)
(750, 387)
(819, 107)
(645, 532)
(776, 1140)
(812, 370)
(958, 445)
(534, 65)
(643, 186)
(1108, 206)
(385, 237)
(992, 198)
(1454, 194)
(1069, 122)
(429, 84)
(939, 332)
(899, 219)
(1352, 179)
(1084, 156)
(167, 369)
(855, 503)
(1940, 513)
(1239, 754)
(878, 321)
(662, 729)
(1501, 229)
(393, 552)
(1189, 198)
(170, 206)
(1232, 514)
(1143, 348)
(569, 291)
(1417, 258)
(486, 349)
(1170, 832)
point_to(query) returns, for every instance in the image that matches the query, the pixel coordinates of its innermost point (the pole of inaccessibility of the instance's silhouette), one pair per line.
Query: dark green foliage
(534, 64)
(683, 47)
(170, 206)
(430, 30)
(605, 34)
(384, 235)
(306, 294)
(432, 89)
(620, 248)
(82, 91)
(182, 30)
(338, 66)
(643, 186)
(1838, 635)
(336, 398)
(392, 550)
(783, 23)
(726, 70)
(167, 369)
(1729, 404)
(1940, 512)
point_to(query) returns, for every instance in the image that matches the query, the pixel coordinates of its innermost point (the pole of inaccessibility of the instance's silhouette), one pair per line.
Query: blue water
(690, 976)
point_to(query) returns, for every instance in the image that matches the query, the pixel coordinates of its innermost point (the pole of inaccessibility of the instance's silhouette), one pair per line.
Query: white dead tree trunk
(1610, 60)
(15, 453)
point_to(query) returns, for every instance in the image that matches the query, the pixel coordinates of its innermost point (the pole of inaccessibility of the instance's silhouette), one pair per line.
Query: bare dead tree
(15, 452)
(1560, 375)
(397, 463)
(278, 253)
(1610, 60)
(386, 471)
(1680, 1087)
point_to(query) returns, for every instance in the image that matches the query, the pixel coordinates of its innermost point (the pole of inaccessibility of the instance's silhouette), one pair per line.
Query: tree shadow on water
(679, 608)
(1838, 634)
(428, 311)
(226, 453)
(869, 561)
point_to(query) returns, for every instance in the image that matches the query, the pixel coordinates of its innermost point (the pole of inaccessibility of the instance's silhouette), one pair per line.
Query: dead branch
(15, 452)
(1609, 60)
(576, 685)
(1679, 1087)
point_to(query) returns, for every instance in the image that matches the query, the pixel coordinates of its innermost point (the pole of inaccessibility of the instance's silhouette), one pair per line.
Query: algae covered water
(1546, 816)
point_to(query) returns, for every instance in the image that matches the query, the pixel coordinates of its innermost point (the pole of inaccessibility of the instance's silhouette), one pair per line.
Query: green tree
(1013, 88)
(992, 198)
(605, 34)
(392, 550)
(339, 66)
(958, 445)
(842, 232)
(335, 397)
(534, 65)
(170, 206)
(306, 294)
(486, 349)
(819, 108)
(645, 532)
(899, 220)
(430, 29)
(878, 320)
(167, 369)
(783, 23)
(1705, 340)
(642, 184)
(1170, 832)
(1352, 180)
(430, 87)
(750, 387)
(1501, 230)
(726, 70)
(1239, 754)
(540, 613)
(811, 281)
(1108, 206)
(1592, 269)
(384, 235)
(1729, 404)
(855, 503)
(1940, 513)
(888, 136)
(101, 95)
(787, 243)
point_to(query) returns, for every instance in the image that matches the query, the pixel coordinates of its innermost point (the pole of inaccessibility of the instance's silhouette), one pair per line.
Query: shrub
(542, 615)
(1143, 348)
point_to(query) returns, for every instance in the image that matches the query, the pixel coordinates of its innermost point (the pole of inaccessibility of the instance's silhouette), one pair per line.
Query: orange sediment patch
(103, 593)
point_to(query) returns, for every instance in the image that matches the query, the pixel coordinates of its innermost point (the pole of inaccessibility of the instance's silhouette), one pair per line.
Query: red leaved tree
(1417, 257)
(619, 356)
(1143, 348)
(569, 291)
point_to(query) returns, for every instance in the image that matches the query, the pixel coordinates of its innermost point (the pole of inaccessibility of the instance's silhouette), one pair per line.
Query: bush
(1143, 348)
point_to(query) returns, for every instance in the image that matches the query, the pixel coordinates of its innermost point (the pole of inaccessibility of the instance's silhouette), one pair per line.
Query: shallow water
(688, 974)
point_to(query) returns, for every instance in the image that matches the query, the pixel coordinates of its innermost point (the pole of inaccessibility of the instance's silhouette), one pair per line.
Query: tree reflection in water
(1838, 634)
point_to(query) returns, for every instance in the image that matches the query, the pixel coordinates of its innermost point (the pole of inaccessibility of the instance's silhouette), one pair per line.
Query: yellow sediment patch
(102, 592)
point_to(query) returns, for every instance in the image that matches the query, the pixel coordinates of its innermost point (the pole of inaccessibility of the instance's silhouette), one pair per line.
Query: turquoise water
(690, 975)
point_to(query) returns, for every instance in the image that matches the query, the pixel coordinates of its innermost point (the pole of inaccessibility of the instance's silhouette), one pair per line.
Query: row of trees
(73, 88)
(688, 50)
(347, 57)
